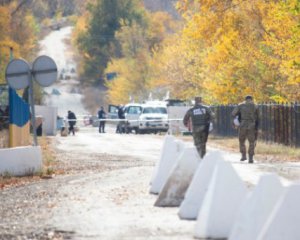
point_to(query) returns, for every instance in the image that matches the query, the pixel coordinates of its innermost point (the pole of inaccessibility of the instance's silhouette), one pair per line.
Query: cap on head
(198, 100)
(248, 97)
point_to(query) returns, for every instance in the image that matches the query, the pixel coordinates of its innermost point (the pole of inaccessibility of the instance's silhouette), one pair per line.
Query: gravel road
(103, 192)
(102, 195)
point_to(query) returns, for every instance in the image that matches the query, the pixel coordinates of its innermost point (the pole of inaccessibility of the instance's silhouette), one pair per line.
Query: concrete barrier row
(210, 191)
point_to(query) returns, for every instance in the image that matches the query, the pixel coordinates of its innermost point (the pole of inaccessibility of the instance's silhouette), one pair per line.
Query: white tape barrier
(123, 120)
(117, 120)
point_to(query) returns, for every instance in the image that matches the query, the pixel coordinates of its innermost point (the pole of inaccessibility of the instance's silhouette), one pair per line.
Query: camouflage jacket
(248, 114)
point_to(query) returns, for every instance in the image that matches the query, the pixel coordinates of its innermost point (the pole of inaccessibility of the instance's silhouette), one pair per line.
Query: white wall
(177, 112)
(49, 115)
(20, 161)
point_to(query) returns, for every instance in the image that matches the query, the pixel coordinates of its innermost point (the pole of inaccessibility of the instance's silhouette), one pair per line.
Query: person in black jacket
(101, 117)
(121, 124)
(201, 116)
(71, 121)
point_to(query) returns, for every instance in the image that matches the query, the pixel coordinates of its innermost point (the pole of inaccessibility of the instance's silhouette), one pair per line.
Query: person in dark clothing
(71, 121)
(248, 129)
(101, 117)
(121, 116)
(201, 116)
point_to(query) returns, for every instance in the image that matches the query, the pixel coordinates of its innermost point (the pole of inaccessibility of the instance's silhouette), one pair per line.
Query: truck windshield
(160, 110)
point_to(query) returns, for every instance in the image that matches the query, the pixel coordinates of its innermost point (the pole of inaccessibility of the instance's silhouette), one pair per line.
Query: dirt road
(103, 195)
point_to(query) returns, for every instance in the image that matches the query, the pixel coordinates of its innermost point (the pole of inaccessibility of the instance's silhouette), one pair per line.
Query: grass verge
(264, 152)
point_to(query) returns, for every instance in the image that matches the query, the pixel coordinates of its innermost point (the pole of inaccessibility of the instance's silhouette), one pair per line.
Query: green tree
(98, 43)
(139, 42)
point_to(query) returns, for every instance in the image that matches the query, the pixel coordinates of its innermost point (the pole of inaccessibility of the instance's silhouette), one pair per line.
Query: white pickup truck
(153, 119)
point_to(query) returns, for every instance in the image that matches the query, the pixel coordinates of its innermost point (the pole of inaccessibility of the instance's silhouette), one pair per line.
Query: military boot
(243, 157)
(250, 158)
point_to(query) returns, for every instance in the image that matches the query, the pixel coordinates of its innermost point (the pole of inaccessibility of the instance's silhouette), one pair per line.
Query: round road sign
(17, 74)
(44, 70)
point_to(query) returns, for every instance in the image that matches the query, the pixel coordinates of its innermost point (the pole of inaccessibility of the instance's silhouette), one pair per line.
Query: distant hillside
(162, 5)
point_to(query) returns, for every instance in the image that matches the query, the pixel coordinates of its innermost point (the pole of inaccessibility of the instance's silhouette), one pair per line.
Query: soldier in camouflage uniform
(248, 114)
(201, 116)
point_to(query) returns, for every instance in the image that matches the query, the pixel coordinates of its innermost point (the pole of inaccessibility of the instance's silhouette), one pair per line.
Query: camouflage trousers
(200, 138)
(250, 134)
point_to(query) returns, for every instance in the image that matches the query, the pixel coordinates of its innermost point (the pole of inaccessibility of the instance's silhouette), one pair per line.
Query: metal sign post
(19, 76)
(32, 109)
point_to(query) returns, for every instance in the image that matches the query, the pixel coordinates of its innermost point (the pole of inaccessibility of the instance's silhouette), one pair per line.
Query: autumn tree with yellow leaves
(239, 47)
(222, 50)
(139, 42)
(20, 22)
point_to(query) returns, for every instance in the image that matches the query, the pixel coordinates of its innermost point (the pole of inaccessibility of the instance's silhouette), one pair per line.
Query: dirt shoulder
(265, 152)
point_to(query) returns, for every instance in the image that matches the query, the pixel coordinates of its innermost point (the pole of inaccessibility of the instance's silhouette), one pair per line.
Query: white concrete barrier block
(169, 159)
(20, 161)
(283, 222)
(168, 141)
(257, 208)
(180, 177)
(221, 204)
(195, 194)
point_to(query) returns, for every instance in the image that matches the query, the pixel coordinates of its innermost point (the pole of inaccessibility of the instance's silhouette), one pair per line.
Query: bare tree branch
(19, 7)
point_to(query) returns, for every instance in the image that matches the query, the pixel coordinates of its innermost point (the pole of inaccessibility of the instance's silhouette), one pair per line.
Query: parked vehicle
(153, 119)
(132, 112)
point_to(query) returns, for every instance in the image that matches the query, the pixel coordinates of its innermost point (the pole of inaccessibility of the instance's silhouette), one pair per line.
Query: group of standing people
(121, 126)
(246, 114)
(71, 118)
(200, 116)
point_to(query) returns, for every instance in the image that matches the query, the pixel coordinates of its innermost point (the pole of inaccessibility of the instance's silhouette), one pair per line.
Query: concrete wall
(20, 161)
(177, 112)
(49, 115)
